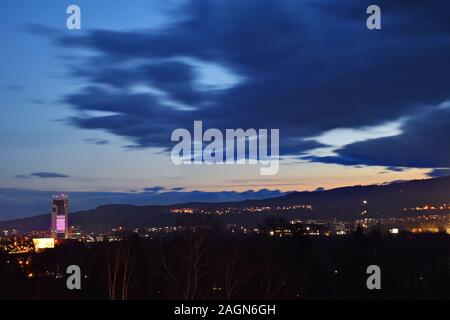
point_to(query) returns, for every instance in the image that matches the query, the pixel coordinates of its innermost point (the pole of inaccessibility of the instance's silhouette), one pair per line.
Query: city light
(43, 243)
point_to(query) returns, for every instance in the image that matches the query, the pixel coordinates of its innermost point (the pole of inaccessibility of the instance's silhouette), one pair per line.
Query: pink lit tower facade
(60, 217)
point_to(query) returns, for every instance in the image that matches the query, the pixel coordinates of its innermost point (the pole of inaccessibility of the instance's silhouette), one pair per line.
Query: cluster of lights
(181, 210)
(17, 247)
(228, 210)
(426, 223)
(429, 207)
(279, 208)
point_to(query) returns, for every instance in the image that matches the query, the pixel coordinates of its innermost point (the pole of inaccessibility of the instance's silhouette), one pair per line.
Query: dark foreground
(213, 265)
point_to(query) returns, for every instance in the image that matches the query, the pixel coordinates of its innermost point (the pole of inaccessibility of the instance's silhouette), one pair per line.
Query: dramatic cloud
(441, 172)
(306, 67)
(423, 144)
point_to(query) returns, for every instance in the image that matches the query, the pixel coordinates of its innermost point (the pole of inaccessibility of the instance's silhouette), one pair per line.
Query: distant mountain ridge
(21, 203)
(346, 203)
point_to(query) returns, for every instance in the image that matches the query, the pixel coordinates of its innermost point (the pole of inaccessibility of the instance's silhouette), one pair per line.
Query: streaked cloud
(43, 175)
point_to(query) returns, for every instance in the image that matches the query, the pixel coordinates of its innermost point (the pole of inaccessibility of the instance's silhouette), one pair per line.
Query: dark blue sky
(92, 110)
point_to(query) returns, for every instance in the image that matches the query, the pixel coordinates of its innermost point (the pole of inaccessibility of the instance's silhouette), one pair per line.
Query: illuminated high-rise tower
(60, 217)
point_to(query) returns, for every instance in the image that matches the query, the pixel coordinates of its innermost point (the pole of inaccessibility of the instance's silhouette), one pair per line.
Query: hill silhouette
(346, 203)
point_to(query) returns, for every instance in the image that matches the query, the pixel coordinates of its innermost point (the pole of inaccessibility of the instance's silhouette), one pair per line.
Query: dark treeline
(214, 264)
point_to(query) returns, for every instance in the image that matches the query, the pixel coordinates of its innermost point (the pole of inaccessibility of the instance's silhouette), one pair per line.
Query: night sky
(91, 111)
